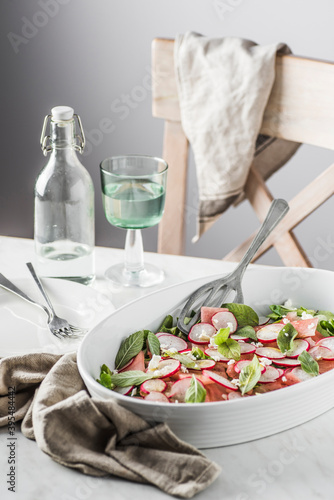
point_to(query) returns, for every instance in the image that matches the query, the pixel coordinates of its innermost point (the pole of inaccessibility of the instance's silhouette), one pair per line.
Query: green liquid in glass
(134, 203)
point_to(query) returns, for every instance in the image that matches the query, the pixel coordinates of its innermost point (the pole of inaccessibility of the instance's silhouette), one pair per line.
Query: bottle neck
(62, 135)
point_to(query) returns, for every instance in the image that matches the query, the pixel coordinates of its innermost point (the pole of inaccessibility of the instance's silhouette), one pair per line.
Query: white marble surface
(294, 464)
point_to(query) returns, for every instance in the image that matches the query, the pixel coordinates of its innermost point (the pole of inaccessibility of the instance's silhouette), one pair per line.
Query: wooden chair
(300, 108)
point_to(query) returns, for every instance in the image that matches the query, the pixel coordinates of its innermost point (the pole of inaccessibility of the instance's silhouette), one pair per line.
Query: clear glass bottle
(64, 203)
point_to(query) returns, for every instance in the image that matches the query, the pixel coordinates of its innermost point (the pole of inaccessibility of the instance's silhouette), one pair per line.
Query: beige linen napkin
(94, 436)
(223, 86)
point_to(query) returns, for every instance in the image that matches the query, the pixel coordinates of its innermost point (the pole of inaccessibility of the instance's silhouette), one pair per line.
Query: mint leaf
(199, 354)
(286, 337)
(326, 328)
(195, 392)
(325, 323)
(129, 348)
(130, 377)
(300, 311)
(244, 315)
(230, 349)
(166, 324)
(153, 343)
(308, 364)
(183, 358)
(105, 369)
(278, 312)
(247, 331)
(105, 380)
(249, 376)
(221, 336)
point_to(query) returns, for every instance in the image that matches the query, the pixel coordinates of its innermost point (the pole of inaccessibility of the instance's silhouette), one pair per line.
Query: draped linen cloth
(224, 85)
(97, 437)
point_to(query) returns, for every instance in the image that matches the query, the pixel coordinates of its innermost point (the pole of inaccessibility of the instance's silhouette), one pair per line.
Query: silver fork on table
(60, 327)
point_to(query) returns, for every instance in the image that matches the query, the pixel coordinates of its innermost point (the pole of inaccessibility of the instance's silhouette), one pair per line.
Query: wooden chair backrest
(300, 108)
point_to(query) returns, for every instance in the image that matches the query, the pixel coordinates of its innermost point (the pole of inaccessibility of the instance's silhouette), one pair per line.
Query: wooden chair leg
(172, 225)
(302, 205)
(259, 196)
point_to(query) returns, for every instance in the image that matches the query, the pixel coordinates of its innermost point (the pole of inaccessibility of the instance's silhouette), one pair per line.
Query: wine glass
(133, 194)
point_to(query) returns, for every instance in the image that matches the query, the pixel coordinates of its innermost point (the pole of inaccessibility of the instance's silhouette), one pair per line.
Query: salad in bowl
(228, 354)
(198, 385)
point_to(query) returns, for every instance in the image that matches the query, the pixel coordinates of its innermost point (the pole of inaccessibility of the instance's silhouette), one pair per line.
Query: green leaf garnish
(278, 311)
(247, 331)
(199, 354)
(249, 376)
(221, 336)
(286, 337)
(244, 315)
(195, 392)
(183, 358)
(129, 348)
(230, 349)
(130, 377)
(153, 343)
(167, 323)
(105, 377)
(325, 324)
(308, 364)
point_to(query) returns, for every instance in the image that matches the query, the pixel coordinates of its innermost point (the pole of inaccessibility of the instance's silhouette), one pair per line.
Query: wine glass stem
(134, 253)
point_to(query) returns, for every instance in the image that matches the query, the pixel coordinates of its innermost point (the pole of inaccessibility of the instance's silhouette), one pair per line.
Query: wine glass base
(149, 276)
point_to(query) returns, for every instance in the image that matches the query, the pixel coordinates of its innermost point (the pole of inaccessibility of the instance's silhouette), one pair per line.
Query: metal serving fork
(60, 327)
(214, 292)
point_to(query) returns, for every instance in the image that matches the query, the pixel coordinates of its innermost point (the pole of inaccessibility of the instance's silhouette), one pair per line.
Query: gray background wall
(94, 55)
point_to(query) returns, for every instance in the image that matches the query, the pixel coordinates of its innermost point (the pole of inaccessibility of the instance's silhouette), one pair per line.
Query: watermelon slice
(208, 312)
(138, 363)
(305, 327)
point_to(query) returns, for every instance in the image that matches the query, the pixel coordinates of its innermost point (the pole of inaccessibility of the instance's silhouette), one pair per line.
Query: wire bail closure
(45, 140)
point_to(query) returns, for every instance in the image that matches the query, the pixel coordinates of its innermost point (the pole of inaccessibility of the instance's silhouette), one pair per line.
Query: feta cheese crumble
(284, 379)
(305, 315)
(154, 363)
(288, 304)
(265, 361)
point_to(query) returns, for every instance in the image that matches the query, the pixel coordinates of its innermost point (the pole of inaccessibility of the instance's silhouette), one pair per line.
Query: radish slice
(179, 388)
(126, 366)
(124, 390)
(201, 333)
(246, 348)
(208, 312)
(157, 397)
(321, 352)
(327, 342)
(299, 345)
(166, 368)
(300, 374)
(169, 341)
(235, 395)
(238, 337)
(269, 333)
(205, 364)
(220, 380)
(269, 352)
(153, 385)
(225, 319)
(287, 362)
(213, 353)
(244, 362)
(271, 374)
(292, 316)
(263, 320)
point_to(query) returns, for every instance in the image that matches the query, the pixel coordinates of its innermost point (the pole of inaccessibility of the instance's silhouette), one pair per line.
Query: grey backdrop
(94, 55)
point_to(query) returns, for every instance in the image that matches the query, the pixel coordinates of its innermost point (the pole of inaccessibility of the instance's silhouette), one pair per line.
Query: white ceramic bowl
(207, 425)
